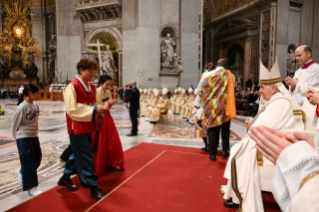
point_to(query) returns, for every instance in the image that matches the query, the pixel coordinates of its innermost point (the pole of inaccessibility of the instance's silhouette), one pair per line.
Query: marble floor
(54, 139)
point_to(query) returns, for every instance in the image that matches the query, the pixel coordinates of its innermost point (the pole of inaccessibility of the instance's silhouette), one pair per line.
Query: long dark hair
(104, 78)
(26, 91)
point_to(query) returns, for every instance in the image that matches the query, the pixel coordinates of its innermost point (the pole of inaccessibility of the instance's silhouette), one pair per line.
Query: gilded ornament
(17, 31)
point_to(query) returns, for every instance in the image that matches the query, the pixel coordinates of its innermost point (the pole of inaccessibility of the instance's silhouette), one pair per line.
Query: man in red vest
(81, 113)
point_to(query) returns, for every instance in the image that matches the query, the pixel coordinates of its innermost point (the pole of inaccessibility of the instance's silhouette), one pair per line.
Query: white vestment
(306, 78)
(277, 113)
(294, 166)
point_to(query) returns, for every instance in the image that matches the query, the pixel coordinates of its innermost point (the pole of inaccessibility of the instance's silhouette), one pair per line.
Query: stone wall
(141, 41)
(68, 39)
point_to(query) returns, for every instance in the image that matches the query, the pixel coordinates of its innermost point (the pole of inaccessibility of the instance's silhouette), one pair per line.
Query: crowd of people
(277, 147)
(10, 91)
(277, 136)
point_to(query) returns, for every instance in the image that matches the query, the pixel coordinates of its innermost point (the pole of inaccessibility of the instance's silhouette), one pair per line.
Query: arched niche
(170, 29)
(111, 32)
(235, 56)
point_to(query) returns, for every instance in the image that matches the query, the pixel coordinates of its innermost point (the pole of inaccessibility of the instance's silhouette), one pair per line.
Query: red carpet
(179, 179)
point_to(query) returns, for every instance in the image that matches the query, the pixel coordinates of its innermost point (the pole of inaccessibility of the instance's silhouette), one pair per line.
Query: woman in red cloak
(106, 143)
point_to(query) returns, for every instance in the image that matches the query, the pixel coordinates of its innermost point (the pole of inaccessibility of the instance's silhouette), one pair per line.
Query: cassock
(296, 179)
(308, 76)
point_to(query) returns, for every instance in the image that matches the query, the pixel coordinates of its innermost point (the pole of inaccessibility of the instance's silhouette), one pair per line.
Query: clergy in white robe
(305, 77)
(242, 167)
(296, 178)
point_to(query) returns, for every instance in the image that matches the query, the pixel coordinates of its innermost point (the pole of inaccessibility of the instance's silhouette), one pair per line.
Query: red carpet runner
(156, 178)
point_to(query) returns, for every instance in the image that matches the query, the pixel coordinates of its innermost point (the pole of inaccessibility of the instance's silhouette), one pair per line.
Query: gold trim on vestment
(306, 179)
(260, 160)
(301, 113)
(234, 180)
(270, 81)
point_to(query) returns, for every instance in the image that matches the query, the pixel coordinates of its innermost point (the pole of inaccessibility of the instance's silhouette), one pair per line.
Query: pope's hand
(312, 96)
(271, 143)
(247, 121)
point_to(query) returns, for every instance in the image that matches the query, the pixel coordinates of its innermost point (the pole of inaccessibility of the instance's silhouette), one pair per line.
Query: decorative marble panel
(265, 37)
(254, 57)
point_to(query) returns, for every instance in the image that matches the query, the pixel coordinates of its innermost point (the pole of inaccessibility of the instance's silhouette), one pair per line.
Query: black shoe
(205, 149)
(212, 157)
(68, 184)
(132, 134)
(225, 154)
(199, 123)
(97, 194)
(153, 122)
(229, 204)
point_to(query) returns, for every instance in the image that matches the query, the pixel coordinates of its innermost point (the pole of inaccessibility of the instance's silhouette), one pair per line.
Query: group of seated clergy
(153, 103)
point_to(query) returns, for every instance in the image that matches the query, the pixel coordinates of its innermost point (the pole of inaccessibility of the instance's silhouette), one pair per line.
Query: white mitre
(183, 91)
(272, 76)
(190, 90)
(155, 92)
(179, 89)
(196, 91)
(165, 91)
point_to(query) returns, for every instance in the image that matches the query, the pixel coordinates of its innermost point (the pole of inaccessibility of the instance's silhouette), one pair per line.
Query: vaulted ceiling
(216, 8)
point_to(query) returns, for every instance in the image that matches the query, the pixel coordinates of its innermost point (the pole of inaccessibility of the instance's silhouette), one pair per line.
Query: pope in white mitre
(243, 189)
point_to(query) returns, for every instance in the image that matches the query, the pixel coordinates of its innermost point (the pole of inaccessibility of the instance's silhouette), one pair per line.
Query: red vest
(82, 97)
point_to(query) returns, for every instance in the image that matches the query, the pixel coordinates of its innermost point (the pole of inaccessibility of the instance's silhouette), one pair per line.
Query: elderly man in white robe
(296, 179)
(307, 76)
(243, 189)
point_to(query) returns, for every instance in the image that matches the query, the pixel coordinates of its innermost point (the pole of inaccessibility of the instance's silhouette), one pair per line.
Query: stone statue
(108, 65)
(167, 50)
(177, 64)
(238, 61)
(291, 62)
(238, 83)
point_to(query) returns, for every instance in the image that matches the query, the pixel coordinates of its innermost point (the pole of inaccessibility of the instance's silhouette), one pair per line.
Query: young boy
(81, 113)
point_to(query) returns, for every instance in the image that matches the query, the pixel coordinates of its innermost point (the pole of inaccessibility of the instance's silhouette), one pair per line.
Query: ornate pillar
(1, 11)
(247, 56)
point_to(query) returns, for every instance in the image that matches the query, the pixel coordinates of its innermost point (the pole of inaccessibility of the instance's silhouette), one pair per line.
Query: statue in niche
(177, 65)
(238, 61)
(291, 62)
(238, 85)
(108, 65)
(167, 50)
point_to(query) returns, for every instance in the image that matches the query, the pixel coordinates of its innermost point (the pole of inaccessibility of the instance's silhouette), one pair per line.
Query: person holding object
(296, 179)
(25, 130)
(106, 142)
(307, 76)
(81, 113)
(134, 100)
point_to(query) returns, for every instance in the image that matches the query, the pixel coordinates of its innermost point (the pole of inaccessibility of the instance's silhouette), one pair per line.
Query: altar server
(305, 77)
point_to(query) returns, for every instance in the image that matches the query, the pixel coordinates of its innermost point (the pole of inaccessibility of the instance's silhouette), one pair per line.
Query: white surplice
(306, 78)
(277, 113)
(295, 165)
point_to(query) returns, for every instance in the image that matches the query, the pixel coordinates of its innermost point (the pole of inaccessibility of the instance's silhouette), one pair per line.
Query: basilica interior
(157, 44)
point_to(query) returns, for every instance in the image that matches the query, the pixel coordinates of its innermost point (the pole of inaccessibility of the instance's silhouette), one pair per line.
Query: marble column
(247, 56)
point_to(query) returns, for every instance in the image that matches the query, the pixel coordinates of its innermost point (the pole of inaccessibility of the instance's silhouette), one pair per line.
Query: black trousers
(67, 153)
(81, 162)
(213, 137)
(133, 116)
(30, 158)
